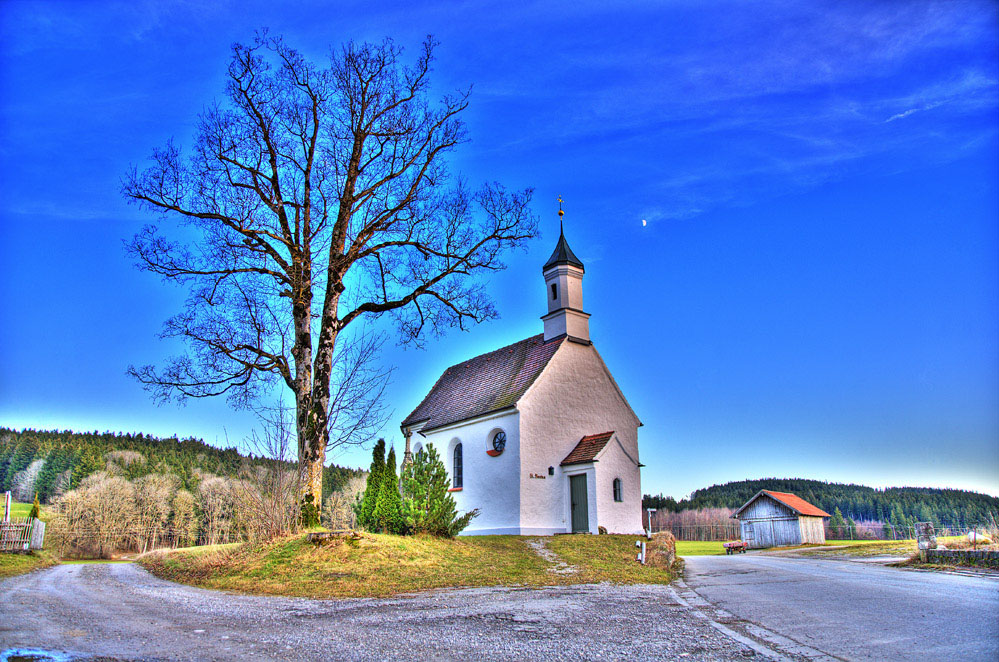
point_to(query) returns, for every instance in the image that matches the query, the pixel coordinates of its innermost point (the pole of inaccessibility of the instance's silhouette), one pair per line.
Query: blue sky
(813, 292)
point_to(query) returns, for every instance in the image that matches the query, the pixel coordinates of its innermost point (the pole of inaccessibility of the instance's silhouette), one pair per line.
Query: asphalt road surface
(122, 612)
(849, 609)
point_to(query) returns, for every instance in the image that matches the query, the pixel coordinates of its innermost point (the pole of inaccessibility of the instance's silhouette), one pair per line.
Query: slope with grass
(382, 565)
(17, 563)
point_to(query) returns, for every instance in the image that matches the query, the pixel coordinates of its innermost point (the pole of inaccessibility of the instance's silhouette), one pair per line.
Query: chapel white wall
(488, 483)
(575, 396)
(618, 516)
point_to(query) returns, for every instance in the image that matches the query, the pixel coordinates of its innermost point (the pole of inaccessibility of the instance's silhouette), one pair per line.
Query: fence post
(37, 534)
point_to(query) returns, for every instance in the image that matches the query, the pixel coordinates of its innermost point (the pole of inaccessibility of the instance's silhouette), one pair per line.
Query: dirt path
(559, 567)
(123, 612)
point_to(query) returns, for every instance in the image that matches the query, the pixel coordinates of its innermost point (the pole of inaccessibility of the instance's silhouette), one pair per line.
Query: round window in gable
(499, 443)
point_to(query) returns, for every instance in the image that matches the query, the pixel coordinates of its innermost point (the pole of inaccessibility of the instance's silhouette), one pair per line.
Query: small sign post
(925, 538)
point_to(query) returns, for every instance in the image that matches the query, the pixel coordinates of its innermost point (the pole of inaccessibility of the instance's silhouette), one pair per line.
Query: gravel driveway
(121, 611)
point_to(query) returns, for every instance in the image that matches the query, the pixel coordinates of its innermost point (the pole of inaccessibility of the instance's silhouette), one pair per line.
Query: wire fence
(93, 541)
(864, 531)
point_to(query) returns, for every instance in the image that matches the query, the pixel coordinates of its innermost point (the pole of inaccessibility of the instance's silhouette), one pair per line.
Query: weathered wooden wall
(768, 523)
(812, 530)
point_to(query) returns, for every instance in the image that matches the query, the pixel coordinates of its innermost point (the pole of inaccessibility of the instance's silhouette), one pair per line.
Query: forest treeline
(49, 462)
(902, 505)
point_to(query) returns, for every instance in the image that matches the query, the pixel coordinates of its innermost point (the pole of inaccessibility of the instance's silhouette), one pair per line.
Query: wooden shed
(776, 519)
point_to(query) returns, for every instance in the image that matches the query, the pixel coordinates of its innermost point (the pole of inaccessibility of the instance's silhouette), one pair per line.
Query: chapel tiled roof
(588, 448)
(485, 384)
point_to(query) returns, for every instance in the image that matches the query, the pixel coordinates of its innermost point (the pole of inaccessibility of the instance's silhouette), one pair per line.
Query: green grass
(18, 563)
(18, 509)
(381, 565)
(698, 548)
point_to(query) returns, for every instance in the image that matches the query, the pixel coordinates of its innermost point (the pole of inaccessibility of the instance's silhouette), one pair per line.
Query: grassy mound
(382, 565)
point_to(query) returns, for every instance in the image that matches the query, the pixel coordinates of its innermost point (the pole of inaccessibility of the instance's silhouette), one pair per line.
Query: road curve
(121, 611)
(854, 610)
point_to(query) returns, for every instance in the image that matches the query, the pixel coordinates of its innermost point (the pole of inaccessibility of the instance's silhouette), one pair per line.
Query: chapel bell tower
(563, 274)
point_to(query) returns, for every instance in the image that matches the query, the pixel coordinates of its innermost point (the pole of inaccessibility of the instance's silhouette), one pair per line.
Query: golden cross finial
(560, 212)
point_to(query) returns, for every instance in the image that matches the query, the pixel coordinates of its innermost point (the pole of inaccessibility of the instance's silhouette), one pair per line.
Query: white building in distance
(537, 435)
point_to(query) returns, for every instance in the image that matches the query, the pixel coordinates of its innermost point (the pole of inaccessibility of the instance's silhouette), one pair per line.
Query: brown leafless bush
(97, 518)
(338, 511)
(267, 493)
(184, 519)
(153, 504)
(218, 510)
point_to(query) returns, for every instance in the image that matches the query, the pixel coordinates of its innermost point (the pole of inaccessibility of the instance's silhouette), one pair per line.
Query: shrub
(429, 507)
(365, 508)
(388, 508)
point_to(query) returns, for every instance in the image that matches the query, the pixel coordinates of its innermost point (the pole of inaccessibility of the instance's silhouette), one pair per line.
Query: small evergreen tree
(365, 508)
(388, 509)
(36, 509)
(429, 507)
(836, 523)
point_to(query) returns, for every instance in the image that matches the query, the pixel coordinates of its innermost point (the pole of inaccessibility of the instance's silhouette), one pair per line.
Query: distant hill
(898, 504)
(50, 462)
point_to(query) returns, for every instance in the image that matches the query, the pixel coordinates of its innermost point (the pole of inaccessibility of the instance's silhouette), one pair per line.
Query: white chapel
(537, 435)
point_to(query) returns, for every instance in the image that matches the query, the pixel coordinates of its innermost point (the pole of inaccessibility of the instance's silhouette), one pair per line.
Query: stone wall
(980, 557)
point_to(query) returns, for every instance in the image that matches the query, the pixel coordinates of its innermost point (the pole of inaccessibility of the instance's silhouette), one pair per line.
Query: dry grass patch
(606, 558)
(375, 565)
(17, 563)
(382, 565)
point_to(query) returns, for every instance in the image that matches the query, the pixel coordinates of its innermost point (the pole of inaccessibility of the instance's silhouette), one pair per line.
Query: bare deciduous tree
(319, 196)
(153, 500)
(338, 511)
(184, 519)
(98, 517)
(266, 497)
(218, 510)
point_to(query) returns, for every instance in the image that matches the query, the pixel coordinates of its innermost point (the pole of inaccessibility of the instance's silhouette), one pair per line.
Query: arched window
(617, 490)
(456, 467)
(554, 291)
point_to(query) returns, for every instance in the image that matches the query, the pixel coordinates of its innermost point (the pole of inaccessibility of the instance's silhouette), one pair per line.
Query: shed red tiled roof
(588, 448)
(797, 504)
(485, 384)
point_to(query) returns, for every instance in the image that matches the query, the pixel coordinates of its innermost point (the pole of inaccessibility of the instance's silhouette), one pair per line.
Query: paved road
(855, 611)
(123, 612)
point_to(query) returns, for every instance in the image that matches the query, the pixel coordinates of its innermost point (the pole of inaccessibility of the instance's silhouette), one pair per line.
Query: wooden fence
(21, 534)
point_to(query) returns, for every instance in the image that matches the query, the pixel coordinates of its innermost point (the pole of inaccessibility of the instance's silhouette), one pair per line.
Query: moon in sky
(644, 223)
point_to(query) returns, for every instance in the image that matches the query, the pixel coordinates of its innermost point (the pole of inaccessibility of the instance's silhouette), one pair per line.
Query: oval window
(499, 442)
